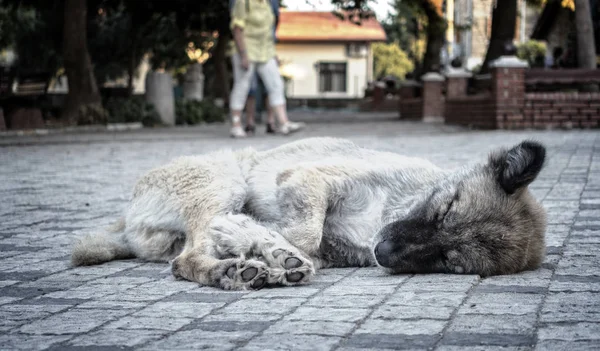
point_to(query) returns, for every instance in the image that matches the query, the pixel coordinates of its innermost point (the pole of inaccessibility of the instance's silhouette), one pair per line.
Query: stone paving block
(490, 324)
(502, 303)
(311, 327)
(142, 322)
(283, 292)
(328, 314)
(71, 322)
(193, 296)
(180, 309)
(192, 340)
(116, 338)
(341, 289)
(295, 342)
(275, 306)
(490, 339)
(90, 291)
(560, 345)
(347, 301)
(391, 342)
(482, 348)
(367, 280)
(110, 305)
(11, 324)
(435, 298)
(438, 282)
(388, 312)
(241, 317)
(402, 326)
(329, 278)
(229, 326)
(8, 299)
(26, 312)
(537, 278)
(570, 332)
(30, 342)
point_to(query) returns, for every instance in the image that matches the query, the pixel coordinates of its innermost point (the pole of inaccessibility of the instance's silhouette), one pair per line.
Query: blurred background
(154, 63)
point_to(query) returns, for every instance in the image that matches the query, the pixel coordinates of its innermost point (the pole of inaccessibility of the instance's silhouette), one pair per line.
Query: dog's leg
(302, 197)
(239, 235)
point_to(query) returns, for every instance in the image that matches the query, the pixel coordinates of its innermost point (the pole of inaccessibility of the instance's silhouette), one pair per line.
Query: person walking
(253, 23)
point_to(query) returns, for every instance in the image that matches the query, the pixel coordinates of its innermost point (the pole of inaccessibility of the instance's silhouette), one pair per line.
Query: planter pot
(159, 93)
(193, 85)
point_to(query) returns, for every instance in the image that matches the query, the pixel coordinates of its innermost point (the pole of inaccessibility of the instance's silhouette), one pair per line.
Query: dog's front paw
(244, 275)
(236, 235)
(288, 267)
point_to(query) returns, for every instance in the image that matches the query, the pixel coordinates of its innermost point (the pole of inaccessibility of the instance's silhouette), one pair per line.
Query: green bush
(390, 60)
(531, 51)
(129, 110)
(193, 112)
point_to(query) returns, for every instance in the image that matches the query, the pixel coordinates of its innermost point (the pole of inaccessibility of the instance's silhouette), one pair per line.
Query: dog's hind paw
(244, 275)
(287, 267)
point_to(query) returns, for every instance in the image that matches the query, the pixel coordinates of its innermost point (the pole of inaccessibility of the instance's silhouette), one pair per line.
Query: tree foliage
(419, 29)
(390, 60)
(33, 29)
(533, 52)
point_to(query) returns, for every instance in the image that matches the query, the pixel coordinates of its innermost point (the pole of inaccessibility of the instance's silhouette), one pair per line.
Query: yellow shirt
(257, 21)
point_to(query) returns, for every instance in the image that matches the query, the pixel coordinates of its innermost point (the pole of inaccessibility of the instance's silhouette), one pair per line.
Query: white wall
(303, 60)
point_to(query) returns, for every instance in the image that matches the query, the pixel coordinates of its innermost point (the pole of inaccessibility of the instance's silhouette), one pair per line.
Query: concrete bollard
(159, 93)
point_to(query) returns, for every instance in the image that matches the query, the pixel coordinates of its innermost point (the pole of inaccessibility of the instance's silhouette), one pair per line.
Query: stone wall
(564, 110)
(411, 108)
(473, 111)
(507, 105)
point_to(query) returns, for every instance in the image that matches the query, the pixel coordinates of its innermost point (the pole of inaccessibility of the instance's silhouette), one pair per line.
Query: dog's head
(478, 221)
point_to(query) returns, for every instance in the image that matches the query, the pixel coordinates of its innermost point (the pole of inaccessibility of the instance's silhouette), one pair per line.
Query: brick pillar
(508, 92)
(409, 104)
(433, 98)
(456, 83)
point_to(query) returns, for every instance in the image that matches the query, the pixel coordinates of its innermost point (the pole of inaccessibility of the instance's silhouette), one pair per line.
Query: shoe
(291, 127)
(270, 128)
(237, 132)
(250, 129)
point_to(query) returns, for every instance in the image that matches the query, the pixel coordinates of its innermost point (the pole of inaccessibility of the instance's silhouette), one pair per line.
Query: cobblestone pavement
(51, 193)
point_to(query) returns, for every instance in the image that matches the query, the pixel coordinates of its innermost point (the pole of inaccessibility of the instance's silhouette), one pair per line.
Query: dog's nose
(383, 251)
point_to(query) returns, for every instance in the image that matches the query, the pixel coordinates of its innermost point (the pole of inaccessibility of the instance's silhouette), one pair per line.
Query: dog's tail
(102, 247)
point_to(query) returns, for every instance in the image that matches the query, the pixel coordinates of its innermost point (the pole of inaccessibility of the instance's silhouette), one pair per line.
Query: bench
(22, 95)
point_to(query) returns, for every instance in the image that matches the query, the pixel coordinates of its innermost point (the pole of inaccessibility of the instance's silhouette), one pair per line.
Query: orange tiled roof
(296, 26)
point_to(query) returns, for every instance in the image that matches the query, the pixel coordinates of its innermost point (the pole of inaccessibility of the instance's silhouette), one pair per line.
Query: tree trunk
(220, 82)
(586, 47)
(83, 103)
(504, 21)
(131, 71)
(436, 30)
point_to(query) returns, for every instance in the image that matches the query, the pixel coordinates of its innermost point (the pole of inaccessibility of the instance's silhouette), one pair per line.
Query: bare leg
(270, 113)
(250, 110)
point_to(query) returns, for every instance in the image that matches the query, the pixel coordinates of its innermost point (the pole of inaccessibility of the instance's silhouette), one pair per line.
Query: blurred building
(470, 27)
(324, 56)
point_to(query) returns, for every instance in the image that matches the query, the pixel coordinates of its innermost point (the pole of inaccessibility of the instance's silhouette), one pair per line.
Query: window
(355, 50)
(332, 77)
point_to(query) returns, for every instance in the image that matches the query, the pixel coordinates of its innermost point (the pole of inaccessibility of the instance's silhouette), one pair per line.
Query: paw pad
(294, 277)
(249, 273)
(292, 262)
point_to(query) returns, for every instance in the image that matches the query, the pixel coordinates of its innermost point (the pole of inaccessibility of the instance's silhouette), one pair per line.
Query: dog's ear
(519, 166)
